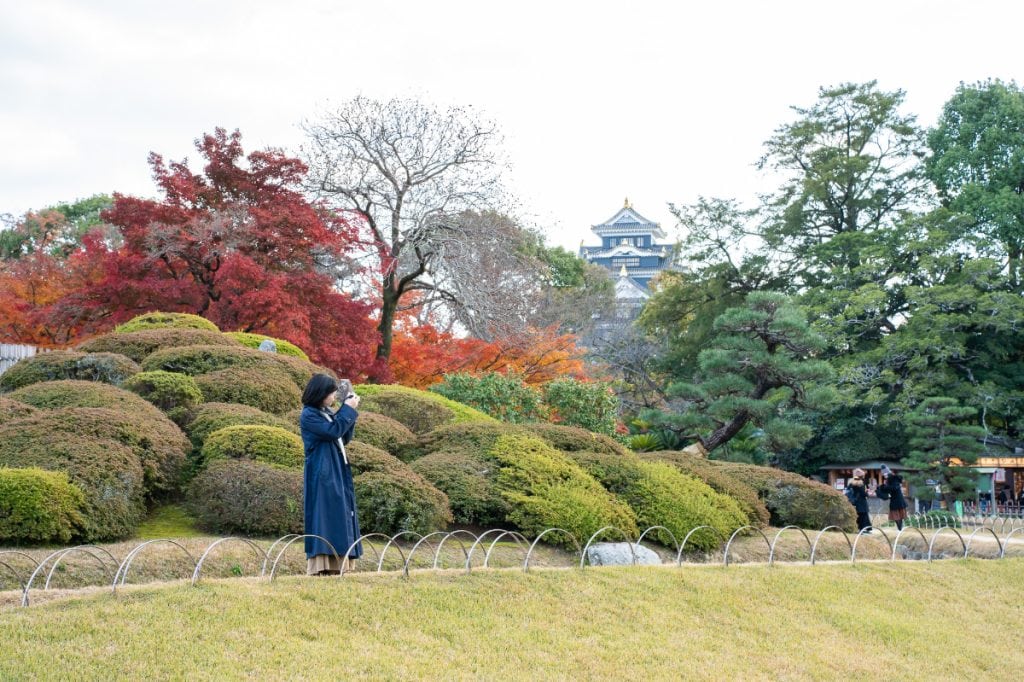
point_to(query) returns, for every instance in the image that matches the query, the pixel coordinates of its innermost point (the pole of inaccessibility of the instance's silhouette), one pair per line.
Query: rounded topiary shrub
(254, 340)
(38, 506)
(194, 360)
(573, 439)
(469, 482)
(175, 394)
(364, 458)
(267, 444)
(56, 395)
(157, 445)
(163, 320)
(471, 438)
(107, 473)
(213, 416)
(419, 411)
(12, 409)
(545, 489)
(264, 389)
(401, 500)
(663, 496)
(385, 433)
(141, 344)
(109, 368)
(699, 467)
(247, 497)
(794, 500)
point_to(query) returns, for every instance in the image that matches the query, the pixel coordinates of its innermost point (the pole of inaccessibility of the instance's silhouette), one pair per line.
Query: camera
(345, 389)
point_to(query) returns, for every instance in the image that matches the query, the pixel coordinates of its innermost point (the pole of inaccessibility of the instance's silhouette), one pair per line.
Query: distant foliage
(247, 497)
(546, 489)
(38, 506)
(159, 320)
(268, 444)
(141, 344)
(254, 341)
(104, 367)
(268, 390)
(589, 405)
(504, 397)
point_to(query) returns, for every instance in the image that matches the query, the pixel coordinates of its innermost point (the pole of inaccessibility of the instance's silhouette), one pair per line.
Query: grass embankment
(907, 619)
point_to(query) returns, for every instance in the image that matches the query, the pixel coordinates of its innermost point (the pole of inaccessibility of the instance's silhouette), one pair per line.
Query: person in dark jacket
(857, 493)
(329, 500)
(892, 489)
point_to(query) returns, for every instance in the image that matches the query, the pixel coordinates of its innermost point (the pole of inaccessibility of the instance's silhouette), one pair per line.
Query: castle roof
(628, 221)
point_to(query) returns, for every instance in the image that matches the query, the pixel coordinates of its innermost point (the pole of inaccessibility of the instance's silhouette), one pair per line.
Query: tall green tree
(943, 446)
(760, 370)
(977, 165)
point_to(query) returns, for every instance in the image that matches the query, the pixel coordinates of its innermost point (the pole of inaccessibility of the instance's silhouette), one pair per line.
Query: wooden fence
(10, 354)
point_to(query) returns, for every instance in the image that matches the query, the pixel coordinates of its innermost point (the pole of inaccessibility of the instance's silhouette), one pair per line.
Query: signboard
(1000, 476)
(840, 483)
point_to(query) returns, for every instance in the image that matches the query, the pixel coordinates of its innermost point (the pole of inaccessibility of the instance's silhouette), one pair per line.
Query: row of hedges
(110, 368)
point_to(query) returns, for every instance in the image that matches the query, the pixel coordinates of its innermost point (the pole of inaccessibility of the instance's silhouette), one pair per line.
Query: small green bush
(419, 411)
(109, 368)
(38, 506)
(159, 320)
(645, 442)
(156, 443)
(195, 360)
(699, 467)
(141, 344)
(794, 500)
(365, 457)
(254, 340)
(545, 489)
(384, 432)
(247, 497)
(573, 439)
(267, 444)
(107, 473)
(590, 405)
(175, 394)
(393, 502)
(13, 409)
(213, 416)
(469, 481)
(475, 439)
(504, 397)
(264, 389)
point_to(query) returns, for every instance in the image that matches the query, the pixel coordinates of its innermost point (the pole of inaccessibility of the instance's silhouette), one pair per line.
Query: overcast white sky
(657, 101)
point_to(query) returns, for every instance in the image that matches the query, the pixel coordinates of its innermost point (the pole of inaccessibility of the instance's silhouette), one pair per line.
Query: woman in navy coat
(329, 501)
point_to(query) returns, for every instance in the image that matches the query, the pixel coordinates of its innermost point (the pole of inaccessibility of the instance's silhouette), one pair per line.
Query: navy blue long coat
(329, 499)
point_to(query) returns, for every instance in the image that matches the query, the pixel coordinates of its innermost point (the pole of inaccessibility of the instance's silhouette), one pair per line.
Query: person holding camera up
(329, 500)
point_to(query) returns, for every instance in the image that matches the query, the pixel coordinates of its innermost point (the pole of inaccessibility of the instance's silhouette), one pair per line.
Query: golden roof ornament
(622, 272)
(625, 204)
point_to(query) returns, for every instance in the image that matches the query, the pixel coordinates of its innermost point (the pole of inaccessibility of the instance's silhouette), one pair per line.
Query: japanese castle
(629, 252)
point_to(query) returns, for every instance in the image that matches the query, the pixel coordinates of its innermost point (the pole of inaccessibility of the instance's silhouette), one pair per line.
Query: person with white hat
(857, 494)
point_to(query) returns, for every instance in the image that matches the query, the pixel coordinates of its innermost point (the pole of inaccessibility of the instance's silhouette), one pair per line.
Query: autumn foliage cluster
(241, 245)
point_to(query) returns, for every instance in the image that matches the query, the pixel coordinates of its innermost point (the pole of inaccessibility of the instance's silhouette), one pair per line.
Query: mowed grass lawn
(909, 620)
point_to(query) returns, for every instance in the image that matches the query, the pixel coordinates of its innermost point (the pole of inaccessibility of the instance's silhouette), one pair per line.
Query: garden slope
(792, 622)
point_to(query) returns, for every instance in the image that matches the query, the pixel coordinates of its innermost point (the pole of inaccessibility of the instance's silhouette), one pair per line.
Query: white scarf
(341, 445)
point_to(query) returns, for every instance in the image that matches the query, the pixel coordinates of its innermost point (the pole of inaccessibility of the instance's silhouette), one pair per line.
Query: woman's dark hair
(318, 388)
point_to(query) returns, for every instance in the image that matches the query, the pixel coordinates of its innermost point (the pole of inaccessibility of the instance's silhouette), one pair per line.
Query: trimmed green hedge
(475, 439)
(247, 497)
(268, 390)
(164, 320)
(213, 416)
(699, 467)
(385, 433)
(573, 439)
(109, 368)
(175, 394)
(156, 444)
(58, 395)
(794, 500)
(268, 444)
(419, 411)
(13, 409)
(141, 344)
(254, 340)
(38, 506)
(469, 481)
(400, 500)
(107, 473)
(195, 360)
(545, 489)
(365, 457)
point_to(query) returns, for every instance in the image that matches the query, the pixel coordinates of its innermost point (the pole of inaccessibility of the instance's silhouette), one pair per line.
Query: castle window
(628, 262)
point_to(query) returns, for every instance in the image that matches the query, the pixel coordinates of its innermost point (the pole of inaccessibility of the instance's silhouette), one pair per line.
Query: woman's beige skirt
(319, 563)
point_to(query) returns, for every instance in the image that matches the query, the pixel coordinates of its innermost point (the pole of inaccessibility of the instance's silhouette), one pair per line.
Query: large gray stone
(268, 346)
(618, 554)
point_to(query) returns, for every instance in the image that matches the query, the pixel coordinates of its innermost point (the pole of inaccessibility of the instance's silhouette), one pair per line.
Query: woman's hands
(352, 401)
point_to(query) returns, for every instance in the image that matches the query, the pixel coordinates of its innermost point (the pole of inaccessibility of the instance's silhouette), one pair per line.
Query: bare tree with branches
(409, 174)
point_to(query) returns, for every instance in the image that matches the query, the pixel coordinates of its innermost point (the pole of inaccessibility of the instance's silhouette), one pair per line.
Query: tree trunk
(725, 432)
(387, 322)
